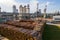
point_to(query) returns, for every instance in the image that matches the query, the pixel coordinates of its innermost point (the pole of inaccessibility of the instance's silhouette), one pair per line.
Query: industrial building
(5, 16)
(24, 12)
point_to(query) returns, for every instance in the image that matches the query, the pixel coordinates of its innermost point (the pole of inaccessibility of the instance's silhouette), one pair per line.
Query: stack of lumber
(22, 30)
(14, 33)
(23, 24)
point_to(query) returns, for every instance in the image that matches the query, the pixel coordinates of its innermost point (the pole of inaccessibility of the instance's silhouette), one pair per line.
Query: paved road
(53, 24)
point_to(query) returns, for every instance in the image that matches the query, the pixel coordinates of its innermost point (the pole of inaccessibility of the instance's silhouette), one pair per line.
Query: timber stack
(22, 30)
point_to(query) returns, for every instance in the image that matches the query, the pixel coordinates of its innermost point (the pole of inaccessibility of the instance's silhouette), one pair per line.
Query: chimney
(45, 11)
(0, 9)
(37, 6)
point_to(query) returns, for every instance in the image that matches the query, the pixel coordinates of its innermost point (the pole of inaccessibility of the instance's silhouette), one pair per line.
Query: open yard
(51, 33)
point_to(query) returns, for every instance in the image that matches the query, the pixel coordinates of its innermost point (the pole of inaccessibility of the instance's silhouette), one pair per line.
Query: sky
(52, 5)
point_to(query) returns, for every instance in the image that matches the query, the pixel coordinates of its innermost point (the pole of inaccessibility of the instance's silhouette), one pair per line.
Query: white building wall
(56, 18)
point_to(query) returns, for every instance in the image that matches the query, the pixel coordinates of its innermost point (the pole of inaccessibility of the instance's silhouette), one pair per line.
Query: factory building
(28, 9)
(21, 9)
(24, 9)
(5, 16)
(24, 12)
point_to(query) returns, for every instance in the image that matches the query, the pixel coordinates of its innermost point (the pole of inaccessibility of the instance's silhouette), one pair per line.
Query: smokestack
(45, 11)
(0, 9)
(37, 9)
(37, 6)
(14, 9)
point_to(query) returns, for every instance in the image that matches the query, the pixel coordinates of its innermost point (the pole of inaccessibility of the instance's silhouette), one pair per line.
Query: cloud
(42, 5)
(33, 5)
(48, 3)
(6, 5)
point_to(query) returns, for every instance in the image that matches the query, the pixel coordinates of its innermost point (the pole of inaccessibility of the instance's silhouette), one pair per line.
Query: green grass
(51, 33)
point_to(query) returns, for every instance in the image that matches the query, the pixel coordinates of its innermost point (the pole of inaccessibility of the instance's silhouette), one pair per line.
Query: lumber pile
(23, 24)
(14, 33)
(22, 30)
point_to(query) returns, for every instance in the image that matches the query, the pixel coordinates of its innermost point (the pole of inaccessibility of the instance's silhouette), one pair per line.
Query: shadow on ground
(51, 33)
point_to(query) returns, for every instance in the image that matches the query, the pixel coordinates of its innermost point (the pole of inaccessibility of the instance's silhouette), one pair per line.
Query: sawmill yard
(29, 30)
